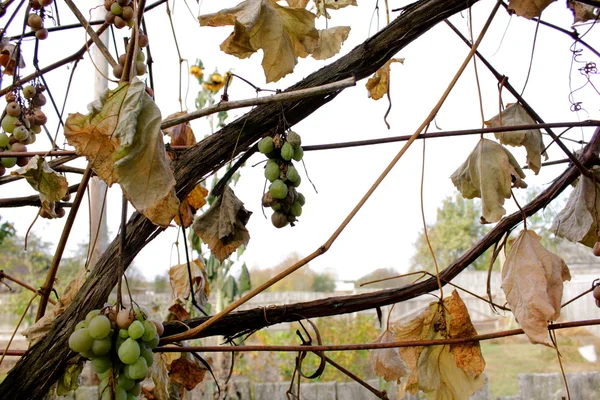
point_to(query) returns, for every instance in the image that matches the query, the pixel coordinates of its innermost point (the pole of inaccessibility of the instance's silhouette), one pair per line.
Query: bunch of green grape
(22, 120)
(119, 345)
(282, 196)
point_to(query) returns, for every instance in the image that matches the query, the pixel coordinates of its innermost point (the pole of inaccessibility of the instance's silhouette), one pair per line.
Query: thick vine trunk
(45, 362)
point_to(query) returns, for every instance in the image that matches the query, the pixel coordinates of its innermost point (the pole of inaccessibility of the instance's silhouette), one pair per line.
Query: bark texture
(45, 362)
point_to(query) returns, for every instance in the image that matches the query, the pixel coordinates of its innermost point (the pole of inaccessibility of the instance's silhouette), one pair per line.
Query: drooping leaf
(577, 222)
(387, 363)
(187, 371)
(230, 289)
(177, 311)
(582, 12)
(223, 226)
(69, 381)
(489, 173)
(181, 134)
(9, 54)
(532, 279)
(324, 5)
(330, 42)
(244, 281)
(179, 278)
(377, 85)
(38, 330)
(528, 8)
(48, 183)
(194, 201)
(442, 372)
(121, 138)
(531, 139)
(159, 373)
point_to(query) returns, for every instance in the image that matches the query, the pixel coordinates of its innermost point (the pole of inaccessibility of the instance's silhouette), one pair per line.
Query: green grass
(507, 358)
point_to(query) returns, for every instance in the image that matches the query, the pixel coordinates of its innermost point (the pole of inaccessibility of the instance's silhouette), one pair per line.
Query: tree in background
(382, 273)
(456, 229)
(6, 229)
(304, 280)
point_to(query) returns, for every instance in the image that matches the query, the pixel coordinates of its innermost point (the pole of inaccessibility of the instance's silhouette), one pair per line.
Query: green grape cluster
(282, 196)
(119, 346)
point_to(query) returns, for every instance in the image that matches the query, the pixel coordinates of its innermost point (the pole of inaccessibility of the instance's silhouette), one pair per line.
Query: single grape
(266, 145)
(129, 351)
(301, 199)
(137, 389)
(297, 182)
(9, 123)
(136, 330)
(296, 209)
(287, 151)
(131, 396)
(29, 91)
(119, 22)
(279, 219)
(9, 162)
(160, 329)
(138, 369)
(125, 318)
(39, 117)
(81, 325)
(4, 141)
(92, 314)
(41, 34)
(36, 128)
(298, 153)
(107, 4)
(292, 174)
(101, 347)
(278, 189)
(123, 3)
(294, 139)
(146, 352)
(597, 292)
(120, 393)
(99, 327)
(89, 354)
(104, 375)
(116, 9)
(596, 249)
(141, 312)
(39, 100)
(140, 68)
(276, 207)
(101, 364)
(154, 342)
(45, 3)
(142, 40)
(60, 212)
(109, 18)
(35, 21)
(21, 133)
(123, 333)
(140, 56)
(13, 109)
(272, 171)
(149, 331)
(125, 382)
(127, 13)
(80, 340)
(118, 71)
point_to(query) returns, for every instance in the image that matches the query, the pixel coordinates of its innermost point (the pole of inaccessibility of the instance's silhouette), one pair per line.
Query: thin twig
(321, 250)
(51, 276)
(3, 275)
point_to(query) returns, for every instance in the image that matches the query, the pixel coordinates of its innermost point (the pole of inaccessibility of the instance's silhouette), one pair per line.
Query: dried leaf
(187, 371)
(324, 5)
(38, 330)
(582, 12)
(442, 372)
(179, 278)
(577, 222)
(9, 53)
(223, 226)
(297, 3)
(330, 42)
(181, 134)
(194, 201)
(283, 33)
(377, 85)
(515, 114)
(387, 363)
(532, 279)
(489, 173)
(121, 138)
(48, 183)
(160, 376)
(69, 381)
(528, 8)
(177, 312)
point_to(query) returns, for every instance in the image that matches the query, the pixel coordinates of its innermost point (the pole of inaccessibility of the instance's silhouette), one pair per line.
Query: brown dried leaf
(193, 202)
(159, 373)
(177, 312)
(377, 85)
(528, 8)
(179, 278)
(531, 139)
(38, 330)
(387, 363)
(297, 3)
(187, 371)
(442, 372)
(489, 173)
(532, 279)
(9, 53)
(182, 134)
(223, 225)
(582, 12)
(330, 42)
(577, 221)
(50, 185)
(324, 5)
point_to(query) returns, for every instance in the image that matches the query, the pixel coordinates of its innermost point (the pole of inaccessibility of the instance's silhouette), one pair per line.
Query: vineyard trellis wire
(49, 357)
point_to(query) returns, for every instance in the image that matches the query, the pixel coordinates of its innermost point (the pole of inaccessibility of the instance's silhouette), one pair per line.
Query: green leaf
(70, 379)
(244, 281)
(230, 289)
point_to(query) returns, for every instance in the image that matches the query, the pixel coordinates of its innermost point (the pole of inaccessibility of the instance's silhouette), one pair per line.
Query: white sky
(383, 232)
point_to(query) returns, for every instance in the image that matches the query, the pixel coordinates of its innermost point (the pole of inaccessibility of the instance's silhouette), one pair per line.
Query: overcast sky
(384, 231)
